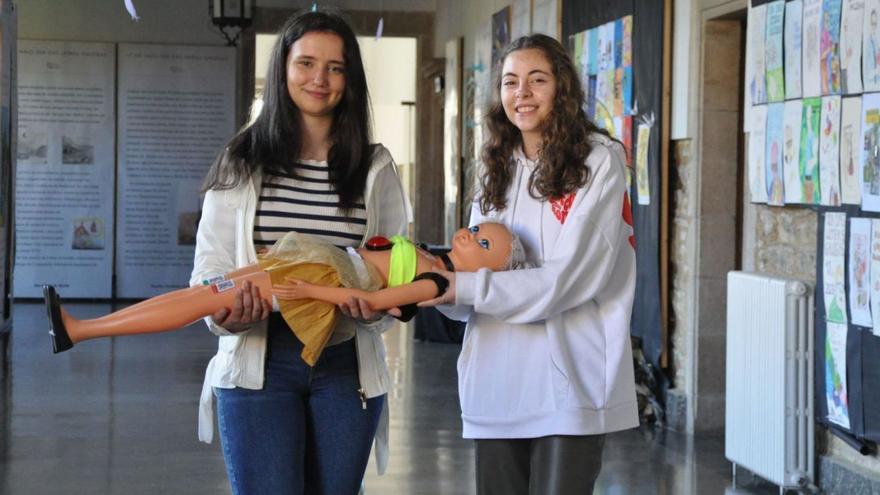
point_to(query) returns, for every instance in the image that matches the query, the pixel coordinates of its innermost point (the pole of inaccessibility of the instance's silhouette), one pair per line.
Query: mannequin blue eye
(484, 243)
(474, 229)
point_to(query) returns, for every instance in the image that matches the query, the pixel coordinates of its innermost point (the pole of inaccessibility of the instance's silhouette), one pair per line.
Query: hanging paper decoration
(314, 6)
(129, 6)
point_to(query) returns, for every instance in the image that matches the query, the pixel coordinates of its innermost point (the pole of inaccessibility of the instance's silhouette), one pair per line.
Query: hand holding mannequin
(237, 298)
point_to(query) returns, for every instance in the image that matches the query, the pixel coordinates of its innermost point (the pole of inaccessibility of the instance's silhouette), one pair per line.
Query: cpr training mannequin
(308, 277)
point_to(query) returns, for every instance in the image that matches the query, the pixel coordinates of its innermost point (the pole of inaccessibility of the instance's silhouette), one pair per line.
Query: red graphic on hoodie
(628, 218)
(561, 206)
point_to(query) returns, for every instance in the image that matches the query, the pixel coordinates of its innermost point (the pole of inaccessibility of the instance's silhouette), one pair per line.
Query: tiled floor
(119, 417)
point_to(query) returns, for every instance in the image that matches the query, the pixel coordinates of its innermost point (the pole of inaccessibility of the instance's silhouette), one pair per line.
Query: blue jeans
(306, 431)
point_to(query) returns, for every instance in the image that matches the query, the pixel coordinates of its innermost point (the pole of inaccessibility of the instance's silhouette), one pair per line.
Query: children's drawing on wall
(850, 133)
(875, 275)
(870, 152)
(791, 148)
(774, 159)
(809, 154)
(793, 36)
(851, 46)
(604, 58)
(833, 275)
(829, 47)
(859, 271)
(757, 154)
(773, 51)
(829, 151)
(626, 65)
(835, 375)
(871, 45)
(643, 182)
(810, 74)
(618, 68)
(757, 86)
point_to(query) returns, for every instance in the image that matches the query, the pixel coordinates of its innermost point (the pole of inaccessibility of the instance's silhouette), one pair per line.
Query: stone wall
(785, 242)
(681, 271)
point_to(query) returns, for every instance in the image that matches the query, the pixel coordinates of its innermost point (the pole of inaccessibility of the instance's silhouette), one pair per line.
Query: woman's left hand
(447, 297)
(358, 309)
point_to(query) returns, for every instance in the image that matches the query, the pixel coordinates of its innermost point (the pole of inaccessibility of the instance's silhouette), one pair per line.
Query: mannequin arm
(380, 300)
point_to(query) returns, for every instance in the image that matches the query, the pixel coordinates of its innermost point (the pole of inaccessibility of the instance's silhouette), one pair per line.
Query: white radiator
(768, 427)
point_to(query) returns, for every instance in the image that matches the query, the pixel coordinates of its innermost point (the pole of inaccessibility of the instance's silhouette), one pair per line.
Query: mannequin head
(487, 245)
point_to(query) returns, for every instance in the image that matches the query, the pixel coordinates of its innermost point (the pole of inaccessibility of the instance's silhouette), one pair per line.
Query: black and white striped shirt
(307, 205)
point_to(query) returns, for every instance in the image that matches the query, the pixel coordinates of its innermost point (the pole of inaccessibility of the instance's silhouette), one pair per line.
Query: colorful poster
(622, 130)
(875, 275)
(757, 154)
(871, 46)
(809, 154)
(851, 46)
(850, 133)
(593, 48)
(604, 101)
(833, 274)
(578, 54)
(618, 68)
(835, 374)
(791, 150)
(757, 31)
(773, 51)
(627, 65)
(829, 151)
(643, 184)
(869, 176)
(829, 47)
(773, 160)
(859, 271)
(793, 36)
(810, 74)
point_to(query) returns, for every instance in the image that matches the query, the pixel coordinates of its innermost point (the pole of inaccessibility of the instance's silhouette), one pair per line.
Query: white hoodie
(547, 349)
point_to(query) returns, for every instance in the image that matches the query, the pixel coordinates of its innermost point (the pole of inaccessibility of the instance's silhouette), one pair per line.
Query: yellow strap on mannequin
(402, 269)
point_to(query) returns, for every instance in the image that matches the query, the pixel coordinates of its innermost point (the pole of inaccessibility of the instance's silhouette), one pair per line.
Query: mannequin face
(486, 245)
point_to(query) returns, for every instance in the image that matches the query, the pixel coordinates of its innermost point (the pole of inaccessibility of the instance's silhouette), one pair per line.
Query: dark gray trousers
(554, 465)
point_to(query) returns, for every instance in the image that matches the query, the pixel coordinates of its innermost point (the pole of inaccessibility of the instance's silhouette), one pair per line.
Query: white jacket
(225, 242)
(547, 349)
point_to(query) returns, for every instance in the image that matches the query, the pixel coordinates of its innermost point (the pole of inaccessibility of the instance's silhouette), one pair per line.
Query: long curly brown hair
(561, 165)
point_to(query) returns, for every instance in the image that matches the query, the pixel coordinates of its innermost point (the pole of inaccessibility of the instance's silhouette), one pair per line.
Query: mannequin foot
(60, 340)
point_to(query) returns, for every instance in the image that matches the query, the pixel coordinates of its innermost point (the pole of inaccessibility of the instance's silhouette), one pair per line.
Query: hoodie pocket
(560, 381)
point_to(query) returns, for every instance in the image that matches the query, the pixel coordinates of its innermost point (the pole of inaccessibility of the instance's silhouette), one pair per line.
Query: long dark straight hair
(565, 139)
(273, 142)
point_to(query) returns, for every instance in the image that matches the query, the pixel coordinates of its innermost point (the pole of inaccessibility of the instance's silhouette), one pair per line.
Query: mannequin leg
(160, 314)
(163, 298)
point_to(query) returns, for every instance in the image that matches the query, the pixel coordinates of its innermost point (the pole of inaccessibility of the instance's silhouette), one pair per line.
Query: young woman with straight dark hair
(305, 164)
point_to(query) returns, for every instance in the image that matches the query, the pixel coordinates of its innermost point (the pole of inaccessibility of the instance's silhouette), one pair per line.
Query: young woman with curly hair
(545, 370)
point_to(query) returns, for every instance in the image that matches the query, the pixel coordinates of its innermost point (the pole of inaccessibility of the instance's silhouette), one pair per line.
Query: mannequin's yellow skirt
(318, 262)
